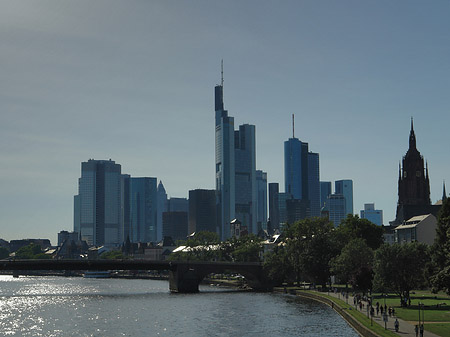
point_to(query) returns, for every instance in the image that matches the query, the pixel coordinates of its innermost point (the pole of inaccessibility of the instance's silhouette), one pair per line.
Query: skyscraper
(274, 211)
(261, 183)
(162, 207)
(314, 184)
(246, 201)
(202, 211)
(336, 206)
(99, 203)
(325, 191)
(225, 172)
(144, 203)
(345, 187)
(373, 215)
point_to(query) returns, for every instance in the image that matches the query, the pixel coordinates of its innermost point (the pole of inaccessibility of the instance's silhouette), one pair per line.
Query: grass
(441, 329)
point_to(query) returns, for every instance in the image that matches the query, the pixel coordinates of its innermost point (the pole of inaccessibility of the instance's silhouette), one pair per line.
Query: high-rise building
(373, 215)
(144, 203)
(162, 207)
(125, 232)
(261, 183)
(202, 211)
(282, 208)
(177, 205)
(314, 184)
(336, 206)
(99, 203)
(225, 169)
(345, 187)
(274, 211)
(175, 225)
(325, 191)
(413, 185)
(246, 201)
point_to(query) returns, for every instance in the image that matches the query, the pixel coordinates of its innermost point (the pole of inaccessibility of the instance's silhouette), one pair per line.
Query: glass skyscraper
(144, 203)
(97, 207)
(345, 187)
(225, 173)
(261, 183)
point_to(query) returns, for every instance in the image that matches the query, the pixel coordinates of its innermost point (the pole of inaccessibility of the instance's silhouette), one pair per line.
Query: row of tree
(313, 251)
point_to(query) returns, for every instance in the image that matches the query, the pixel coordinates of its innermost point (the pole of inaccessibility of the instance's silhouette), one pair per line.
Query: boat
(97, 274)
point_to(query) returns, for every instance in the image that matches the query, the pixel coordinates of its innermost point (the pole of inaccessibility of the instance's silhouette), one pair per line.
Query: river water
(58, 306)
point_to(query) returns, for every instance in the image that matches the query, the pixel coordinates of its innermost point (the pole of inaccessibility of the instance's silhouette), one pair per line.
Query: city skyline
(135, 84)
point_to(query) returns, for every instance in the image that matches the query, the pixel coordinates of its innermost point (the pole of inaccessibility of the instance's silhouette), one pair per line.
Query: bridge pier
(184, 279)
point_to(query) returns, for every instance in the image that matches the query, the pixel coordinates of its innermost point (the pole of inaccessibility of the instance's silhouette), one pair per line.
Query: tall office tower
(336, 205)
(413, 185)
(99, 202)
(325, 191)
(261, 183)
(282, 208)
(202, 211)
(274, 210)
(373, 215)
(175, 225)
(224, 148)
(162, 207)
(245, 177)
(296, 168)
(345, 187)
(177, 205)
(77, 214)
(314, 184)
(125, 181)
(144, 203)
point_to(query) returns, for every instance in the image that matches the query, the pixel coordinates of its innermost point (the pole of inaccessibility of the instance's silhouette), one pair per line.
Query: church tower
(413, 184)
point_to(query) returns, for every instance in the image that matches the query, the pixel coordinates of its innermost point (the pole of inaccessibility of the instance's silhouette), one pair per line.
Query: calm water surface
(56, 306)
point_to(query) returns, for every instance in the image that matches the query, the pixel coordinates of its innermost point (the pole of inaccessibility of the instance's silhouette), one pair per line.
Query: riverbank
(359, 319)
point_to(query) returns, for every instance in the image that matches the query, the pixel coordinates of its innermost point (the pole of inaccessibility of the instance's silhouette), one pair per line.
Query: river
(71, 306)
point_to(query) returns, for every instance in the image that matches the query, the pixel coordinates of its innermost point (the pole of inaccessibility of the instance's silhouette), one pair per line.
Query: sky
(133, 81)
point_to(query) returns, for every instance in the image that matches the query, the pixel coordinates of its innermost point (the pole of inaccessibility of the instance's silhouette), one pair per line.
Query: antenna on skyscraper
(221, 81)
(293, 126)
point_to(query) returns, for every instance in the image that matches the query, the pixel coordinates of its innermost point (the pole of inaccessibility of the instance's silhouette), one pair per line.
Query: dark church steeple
(413, 183)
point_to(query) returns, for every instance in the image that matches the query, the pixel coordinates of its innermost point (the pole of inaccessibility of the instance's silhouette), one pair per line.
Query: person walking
(396, 324)
(416, 330)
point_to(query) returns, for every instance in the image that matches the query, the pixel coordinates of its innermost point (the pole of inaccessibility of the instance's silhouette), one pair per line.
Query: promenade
(406, 329)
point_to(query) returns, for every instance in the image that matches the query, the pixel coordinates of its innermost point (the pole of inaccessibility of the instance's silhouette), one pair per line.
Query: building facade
(99, 203)
(325, 191)
(336, 207)
(373, 215)
(345, 187)
(274, 210)
(225, 169)
(202, 211)
(162, 207)
(261, 212)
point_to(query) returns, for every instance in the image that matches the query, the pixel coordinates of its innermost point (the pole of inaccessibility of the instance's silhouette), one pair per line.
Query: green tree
(203, 238)
(401, 268)
(440, 279)
(354, 265)
(277, 266)
(353, 227)
(247, 248)
(31, 251)
(4, 253)
(113, 255)
(310, 244)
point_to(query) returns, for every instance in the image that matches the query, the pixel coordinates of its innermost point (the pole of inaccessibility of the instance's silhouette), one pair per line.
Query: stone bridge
(184, 276)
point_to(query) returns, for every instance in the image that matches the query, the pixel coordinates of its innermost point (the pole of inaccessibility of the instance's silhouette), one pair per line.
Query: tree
(112, 255)
(401, 268)
(202, 238)
(310, 244)
(440, 279)
(354, 265)
(4, 253)
(354, 227)
(277, 266)
(31, 251)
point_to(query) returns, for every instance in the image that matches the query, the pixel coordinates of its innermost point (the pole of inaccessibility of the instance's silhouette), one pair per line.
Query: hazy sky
(134, 81)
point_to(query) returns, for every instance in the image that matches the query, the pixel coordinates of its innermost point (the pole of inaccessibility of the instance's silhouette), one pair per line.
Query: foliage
(310, 245)
(4, 253)
(247, 248)
(441, 250)
(401, 268)
(202, 238)
(354, 227)
(32, 251)
(112, 255)
(277, 266)
(354, 265)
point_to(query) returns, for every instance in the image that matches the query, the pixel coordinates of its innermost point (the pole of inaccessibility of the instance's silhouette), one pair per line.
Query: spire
(444, 194)
(412, 137)
(293, 126)
(218, 92)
